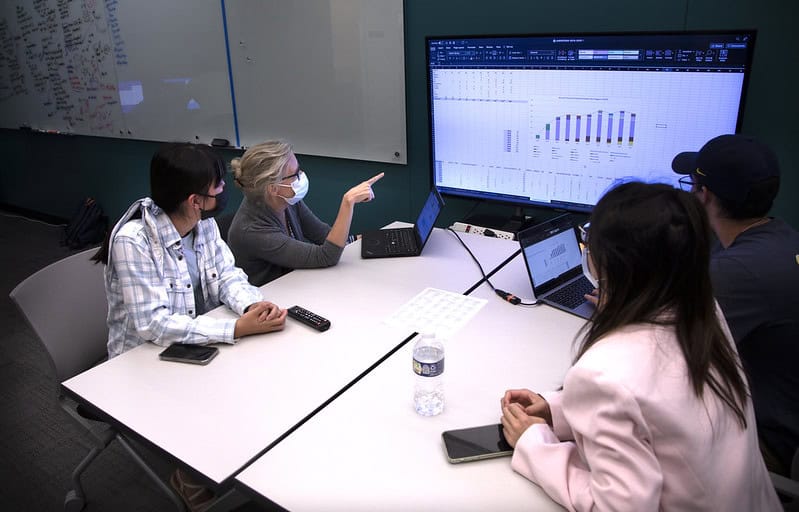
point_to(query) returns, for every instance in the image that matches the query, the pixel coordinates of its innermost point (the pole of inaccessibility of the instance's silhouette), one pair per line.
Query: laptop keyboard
(572, 295)
(399, 241)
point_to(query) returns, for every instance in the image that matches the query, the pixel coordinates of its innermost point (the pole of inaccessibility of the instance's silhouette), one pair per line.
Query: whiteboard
(142, 70)
(57, 68)
(175, 82)
(328, 75)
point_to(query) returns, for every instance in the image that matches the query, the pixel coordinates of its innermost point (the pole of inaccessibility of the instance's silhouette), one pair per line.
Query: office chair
(789, 487)
(65, 305)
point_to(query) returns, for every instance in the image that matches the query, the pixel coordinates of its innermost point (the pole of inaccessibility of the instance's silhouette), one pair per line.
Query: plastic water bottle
(428, 365)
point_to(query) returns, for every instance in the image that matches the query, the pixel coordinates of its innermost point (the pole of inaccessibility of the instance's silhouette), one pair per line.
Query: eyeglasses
(583, 229)
(296, 176)
(221, 184)
(687, 183)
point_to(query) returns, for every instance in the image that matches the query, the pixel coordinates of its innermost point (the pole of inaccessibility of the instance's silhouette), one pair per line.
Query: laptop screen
(552, 254)
(428, 215)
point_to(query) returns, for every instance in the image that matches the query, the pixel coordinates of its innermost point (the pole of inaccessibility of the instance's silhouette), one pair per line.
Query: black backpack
(87, 227)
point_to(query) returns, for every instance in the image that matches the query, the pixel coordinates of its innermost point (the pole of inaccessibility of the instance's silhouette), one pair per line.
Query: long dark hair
(177, 170)
(650, 245)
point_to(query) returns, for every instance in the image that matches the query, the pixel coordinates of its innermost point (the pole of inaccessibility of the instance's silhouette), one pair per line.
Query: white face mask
(300, 188)
(587, 271)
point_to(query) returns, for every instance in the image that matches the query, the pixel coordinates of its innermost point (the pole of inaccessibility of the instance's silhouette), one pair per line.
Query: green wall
(51, 173)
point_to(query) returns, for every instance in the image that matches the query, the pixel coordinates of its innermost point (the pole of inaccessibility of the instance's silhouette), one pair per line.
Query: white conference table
(215, 419)
(369, 450)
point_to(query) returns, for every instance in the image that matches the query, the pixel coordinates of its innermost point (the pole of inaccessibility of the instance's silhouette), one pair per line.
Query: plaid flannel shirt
(149, 288)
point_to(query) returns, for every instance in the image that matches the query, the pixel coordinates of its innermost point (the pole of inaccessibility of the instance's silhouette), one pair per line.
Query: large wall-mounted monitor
(556, 120)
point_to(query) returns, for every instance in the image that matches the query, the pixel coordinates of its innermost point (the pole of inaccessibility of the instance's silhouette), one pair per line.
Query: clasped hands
(520, 409)
(260, 317)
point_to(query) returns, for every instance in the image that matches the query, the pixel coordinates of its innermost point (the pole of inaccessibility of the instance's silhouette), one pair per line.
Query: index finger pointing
(375, 178)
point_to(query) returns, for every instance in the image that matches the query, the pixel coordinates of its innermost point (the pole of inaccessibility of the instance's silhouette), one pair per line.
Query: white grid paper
(434, 310)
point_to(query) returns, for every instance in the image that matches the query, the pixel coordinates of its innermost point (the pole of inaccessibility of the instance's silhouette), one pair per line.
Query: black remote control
(308, 318)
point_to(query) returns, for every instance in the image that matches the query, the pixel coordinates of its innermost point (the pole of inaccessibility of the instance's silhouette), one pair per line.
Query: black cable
(506, 296)
(482, 272)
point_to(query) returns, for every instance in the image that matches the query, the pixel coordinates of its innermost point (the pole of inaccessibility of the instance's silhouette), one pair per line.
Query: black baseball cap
(729, 165)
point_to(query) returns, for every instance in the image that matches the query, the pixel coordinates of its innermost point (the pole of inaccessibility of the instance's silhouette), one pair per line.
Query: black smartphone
(195, 354)
(476, 443)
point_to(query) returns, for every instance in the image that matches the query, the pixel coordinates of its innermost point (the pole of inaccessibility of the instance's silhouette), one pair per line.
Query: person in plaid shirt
(166, 264)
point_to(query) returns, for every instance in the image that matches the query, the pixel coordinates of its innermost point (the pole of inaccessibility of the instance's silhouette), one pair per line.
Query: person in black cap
(755, 274)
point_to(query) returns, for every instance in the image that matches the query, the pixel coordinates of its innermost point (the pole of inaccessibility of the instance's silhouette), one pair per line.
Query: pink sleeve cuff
(560, 426)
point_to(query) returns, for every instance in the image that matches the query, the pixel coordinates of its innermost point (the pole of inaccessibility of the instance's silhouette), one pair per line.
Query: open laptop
(554, 262)
(395, 242)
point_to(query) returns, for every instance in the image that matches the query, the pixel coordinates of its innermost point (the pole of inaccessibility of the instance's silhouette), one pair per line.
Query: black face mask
(221, 202)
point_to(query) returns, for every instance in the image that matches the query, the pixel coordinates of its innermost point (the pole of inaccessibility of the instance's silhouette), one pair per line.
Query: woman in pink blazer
(655, 413)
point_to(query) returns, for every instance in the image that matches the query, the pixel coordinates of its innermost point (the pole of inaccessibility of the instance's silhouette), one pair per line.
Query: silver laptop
(554, 263)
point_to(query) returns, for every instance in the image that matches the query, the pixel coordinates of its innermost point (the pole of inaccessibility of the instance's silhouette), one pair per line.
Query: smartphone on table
(185, 353)
(476, 443)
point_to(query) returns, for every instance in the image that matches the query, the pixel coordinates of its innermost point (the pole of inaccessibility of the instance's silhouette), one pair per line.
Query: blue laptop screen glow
(427, 217)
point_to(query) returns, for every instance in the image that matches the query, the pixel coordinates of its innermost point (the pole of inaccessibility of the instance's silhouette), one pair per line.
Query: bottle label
(428, 369)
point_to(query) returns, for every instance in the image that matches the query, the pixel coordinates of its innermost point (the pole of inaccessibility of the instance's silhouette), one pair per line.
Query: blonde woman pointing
(274, 231)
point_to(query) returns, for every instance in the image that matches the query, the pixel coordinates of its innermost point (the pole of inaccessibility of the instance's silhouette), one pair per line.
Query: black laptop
(395, 242)
(554, 262)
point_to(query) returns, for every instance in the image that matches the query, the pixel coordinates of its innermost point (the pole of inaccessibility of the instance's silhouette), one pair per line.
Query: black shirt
(756, 282)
